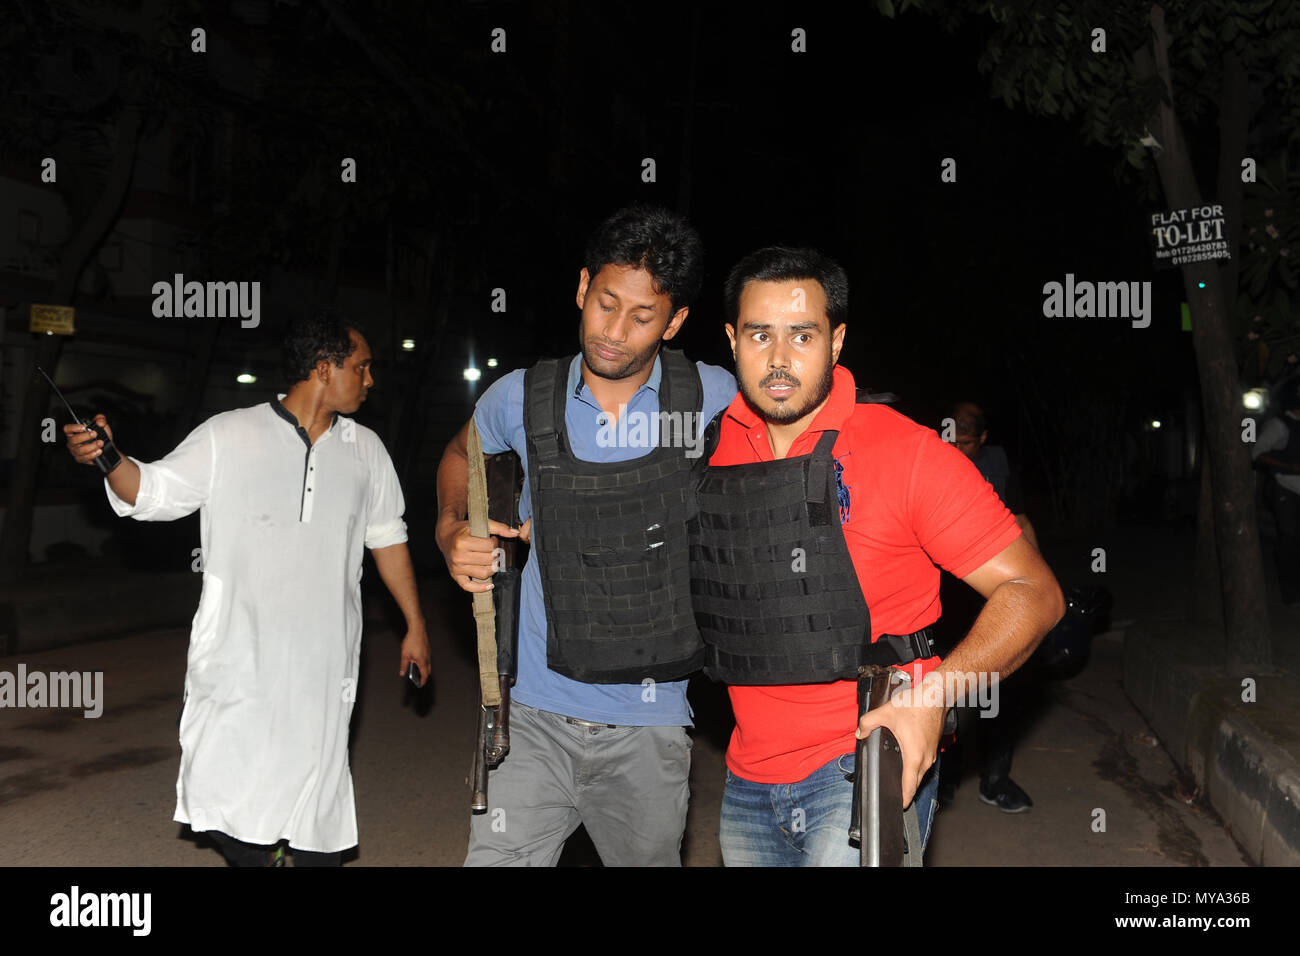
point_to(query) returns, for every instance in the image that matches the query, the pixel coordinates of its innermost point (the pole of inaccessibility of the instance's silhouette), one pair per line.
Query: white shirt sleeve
(174, 486)
(1272, 437)
(384, 524)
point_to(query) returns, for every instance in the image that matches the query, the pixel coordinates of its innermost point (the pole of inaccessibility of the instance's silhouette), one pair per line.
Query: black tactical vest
(776, 596)
(611, 539)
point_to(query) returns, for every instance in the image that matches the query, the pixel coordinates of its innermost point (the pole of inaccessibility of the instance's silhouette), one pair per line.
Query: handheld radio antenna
(110, 458)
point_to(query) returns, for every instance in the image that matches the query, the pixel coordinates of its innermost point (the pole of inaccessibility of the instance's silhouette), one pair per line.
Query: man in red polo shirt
(806, 483)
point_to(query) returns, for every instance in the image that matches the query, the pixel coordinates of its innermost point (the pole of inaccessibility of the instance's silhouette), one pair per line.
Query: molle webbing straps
(611, 538)
(484, 610)
(777, 597)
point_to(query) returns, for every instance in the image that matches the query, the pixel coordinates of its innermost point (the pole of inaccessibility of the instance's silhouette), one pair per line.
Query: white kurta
(275, 645)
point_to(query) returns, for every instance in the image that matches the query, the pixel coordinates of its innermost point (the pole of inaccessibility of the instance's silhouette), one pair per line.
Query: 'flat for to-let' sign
(54, 319)
(1184, 236)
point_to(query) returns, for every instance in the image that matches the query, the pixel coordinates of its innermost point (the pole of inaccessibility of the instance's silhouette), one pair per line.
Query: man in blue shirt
(596, 737)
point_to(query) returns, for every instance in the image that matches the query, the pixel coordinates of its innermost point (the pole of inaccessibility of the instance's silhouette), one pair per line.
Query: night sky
(508, 160)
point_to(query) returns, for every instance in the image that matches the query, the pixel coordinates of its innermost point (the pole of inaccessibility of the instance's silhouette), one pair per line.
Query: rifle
(886, 836)
(494, 487)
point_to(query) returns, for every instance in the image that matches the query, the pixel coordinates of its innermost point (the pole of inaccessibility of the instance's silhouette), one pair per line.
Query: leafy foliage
(1040, 57)
(1267, 321)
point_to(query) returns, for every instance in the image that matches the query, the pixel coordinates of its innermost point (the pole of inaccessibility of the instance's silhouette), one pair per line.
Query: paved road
(92, 792)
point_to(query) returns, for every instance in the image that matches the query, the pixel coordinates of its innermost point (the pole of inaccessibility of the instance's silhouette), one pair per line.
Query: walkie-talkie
(110, 458)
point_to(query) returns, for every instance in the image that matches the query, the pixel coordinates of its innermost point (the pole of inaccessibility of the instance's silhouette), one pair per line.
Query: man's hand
(415, 650)
(83, 447)
(916, 725)
(124, 479)
(469, 557)
(398, 574)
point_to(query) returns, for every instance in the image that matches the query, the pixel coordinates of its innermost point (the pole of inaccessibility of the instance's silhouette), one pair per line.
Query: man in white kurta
(275, 645)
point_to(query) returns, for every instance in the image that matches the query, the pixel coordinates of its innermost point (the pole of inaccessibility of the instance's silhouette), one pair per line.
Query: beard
(786, 411)
(628, 365)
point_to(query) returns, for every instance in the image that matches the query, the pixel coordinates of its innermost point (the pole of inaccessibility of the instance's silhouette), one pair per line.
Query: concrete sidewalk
(100, 792)
(1242, 755)
(58, 604)
(1233, 734)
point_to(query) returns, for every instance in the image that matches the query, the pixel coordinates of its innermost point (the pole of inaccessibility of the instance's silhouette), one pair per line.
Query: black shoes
(1005, 795)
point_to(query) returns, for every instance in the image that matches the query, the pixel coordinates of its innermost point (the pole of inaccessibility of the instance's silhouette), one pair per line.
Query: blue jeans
(804, 823)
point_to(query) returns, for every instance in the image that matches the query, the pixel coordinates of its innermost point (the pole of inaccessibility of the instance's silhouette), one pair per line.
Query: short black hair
(971, 423)
(655, 239)
(781, 264)
(322, 335)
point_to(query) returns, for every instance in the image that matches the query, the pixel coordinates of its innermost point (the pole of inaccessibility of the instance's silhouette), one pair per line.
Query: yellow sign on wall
(56, 319)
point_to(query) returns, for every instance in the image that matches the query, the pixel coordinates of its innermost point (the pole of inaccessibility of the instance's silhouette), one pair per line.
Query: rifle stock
(503, 478)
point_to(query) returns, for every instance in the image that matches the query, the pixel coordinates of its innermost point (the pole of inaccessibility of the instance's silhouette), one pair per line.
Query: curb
(31, 623)
(1199, 716)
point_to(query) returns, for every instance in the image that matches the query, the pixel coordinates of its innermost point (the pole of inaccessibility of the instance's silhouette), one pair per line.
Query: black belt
(901, 648)
(888, 649)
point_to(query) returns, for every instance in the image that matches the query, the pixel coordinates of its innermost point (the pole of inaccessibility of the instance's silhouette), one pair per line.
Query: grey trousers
(628, 786)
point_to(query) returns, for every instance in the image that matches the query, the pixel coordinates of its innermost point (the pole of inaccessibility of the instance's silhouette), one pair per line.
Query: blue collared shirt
(499, 416)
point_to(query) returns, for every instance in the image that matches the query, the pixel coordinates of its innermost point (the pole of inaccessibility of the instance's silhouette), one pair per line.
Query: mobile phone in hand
(413, 674)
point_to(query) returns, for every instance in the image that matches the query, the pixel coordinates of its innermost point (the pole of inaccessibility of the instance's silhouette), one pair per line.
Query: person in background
(961, 604)
(1278, 448)
(290, 493)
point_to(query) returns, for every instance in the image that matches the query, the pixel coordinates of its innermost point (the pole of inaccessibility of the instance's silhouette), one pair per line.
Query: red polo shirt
(914, 501)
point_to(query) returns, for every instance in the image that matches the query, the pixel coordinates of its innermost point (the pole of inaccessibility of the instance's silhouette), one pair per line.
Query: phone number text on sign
(1190, 235)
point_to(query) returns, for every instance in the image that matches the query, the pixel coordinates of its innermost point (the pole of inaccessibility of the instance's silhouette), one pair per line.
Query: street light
(245, 378)
(472, 374)
(408, 345)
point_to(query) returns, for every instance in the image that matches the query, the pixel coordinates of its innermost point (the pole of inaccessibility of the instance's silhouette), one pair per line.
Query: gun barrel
(880, 787)
(479, 771)
(877, 814)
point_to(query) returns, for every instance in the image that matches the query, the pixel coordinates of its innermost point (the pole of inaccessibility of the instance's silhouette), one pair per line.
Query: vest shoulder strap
(680, 388)
(867, 397)
(819, 474)
(541, 382)
(712, 432)
(545, 397)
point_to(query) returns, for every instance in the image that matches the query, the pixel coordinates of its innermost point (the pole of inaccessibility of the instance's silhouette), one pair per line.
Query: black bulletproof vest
(611, 538)
(776, 596)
